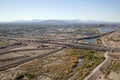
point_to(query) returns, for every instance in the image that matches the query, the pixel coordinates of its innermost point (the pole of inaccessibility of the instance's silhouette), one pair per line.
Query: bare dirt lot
(58, 66)
(113, 40)
(112, 72)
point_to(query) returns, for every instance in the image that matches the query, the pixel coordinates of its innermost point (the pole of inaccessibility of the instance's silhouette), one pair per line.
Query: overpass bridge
(81, 45)
(96, 36)
(77, 39)
(85, 46)
(63, 46)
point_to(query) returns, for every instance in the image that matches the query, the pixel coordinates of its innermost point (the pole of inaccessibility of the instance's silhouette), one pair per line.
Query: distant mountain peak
(57, 21)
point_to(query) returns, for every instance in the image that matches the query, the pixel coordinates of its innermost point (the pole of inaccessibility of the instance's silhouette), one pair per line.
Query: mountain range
(55, 21)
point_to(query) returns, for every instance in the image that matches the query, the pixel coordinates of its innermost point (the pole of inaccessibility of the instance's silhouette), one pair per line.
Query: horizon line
(33, 20)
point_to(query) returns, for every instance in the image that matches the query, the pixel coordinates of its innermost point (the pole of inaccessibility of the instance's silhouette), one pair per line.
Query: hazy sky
(106, 10)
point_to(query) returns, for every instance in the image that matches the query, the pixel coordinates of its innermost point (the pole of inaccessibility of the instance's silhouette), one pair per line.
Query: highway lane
(52, 42)
(11, 46)
(19, 50)
(13, 64)
(77, 39)
(81, 46)
(12, 58)
(96, 36)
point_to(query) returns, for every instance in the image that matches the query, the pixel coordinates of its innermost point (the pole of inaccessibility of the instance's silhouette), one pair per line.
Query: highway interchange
(10, 49)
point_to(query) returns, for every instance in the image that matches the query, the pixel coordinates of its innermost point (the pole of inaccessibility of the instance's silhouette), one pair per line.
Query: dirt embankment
(112, 72)
(113, 40)
(56, 66)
